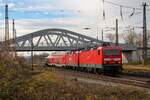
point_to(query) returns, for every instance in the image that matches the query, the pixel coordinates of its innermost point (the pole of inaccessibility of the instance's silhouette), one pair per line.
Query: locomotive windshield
(111, 52)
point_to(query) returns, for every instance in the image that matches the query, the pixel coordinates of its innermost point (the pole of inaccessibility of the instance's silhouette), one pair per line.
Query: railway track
(122, 79)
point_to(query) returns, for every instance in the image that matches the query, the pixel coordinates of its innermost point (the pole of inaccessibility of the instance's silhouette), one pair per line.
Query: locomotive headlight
(117, 59)
(105, 62)
(107, 59)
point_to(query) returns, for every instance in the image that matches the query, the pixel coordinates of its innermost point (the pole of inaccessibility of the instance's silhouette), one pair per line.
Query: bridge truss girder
(54, 40)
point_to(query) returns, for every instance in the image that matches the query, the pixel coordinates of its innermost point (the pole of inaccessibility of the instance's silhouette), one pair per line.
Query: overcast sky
(75, 15)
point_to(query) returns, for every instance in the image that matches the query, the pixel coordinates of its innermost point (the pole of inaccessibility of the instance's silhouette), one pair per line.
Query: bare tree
(133, 38)
(111, 37)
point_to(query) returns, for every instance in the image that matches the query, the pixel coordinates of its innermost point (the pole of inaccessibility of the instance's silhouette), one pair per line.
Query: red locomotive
(105, 58)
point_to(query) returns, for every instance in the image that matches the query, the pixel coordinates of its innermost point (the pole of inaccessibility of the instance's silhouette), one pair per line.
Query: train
(102, 59)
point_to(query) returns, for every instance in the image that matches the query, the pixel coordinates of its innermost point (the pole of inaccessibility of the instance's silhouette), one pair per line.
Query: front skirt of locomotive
(117, 68)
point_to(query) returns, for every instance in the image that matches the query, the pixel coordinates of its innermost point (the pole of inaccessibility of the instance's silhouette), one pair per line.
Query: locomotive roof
(125, 47)
(109, 47)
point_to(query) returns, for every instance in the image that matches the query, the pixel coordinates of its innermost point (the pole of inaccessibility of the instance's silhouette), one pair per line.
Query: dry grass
(61, 88)
(19, 82)
(137, 67)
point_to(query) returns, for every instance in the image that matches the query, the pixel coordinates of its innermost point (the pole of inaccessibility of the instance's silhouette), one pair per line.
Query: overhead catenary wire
(121, 9)
(134, 9)
(123, 6)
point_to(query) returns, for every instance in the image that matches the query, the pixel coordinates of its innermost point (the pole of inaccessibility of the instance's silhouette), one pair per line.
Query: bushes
(12, 76)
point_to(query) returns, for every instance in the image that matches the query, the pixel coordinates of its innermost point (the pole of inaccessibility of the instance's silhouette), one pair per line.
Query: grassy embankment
(137, 69)
(19, 82)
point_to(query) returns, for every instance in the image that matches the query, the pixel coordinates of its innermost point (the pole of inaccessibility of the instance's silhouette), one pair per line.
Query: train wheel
(95, 70)
(114, 72)
(92, 70)
(100, 71)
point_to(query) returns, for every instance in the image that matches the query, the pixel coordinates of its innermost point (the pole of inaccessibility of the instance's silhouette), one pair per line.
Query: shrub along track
(121, 79)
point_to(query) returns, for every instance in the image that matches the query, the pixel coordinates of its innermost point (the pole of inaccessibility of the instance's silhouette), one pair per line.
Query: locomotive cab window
(98, 52)
(111, 52)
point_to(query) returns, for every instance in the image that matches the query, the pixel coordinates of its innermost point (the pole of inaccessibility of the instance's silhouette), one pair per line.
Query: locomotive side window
(98, 52)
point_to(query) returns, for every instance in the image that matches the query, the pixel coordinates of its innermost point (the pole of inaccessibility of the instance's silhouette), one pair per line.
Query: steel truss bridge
(57, 40)
(54, 40)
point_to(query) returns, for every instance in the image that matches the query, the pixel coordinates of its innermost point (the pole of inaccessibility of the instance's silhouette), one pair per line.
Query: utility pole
(102, 35)
(131, 34)
(32, 50)
(13, 29)
(116, 32)
(14, 37)
(144, 34)
(97, 37)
